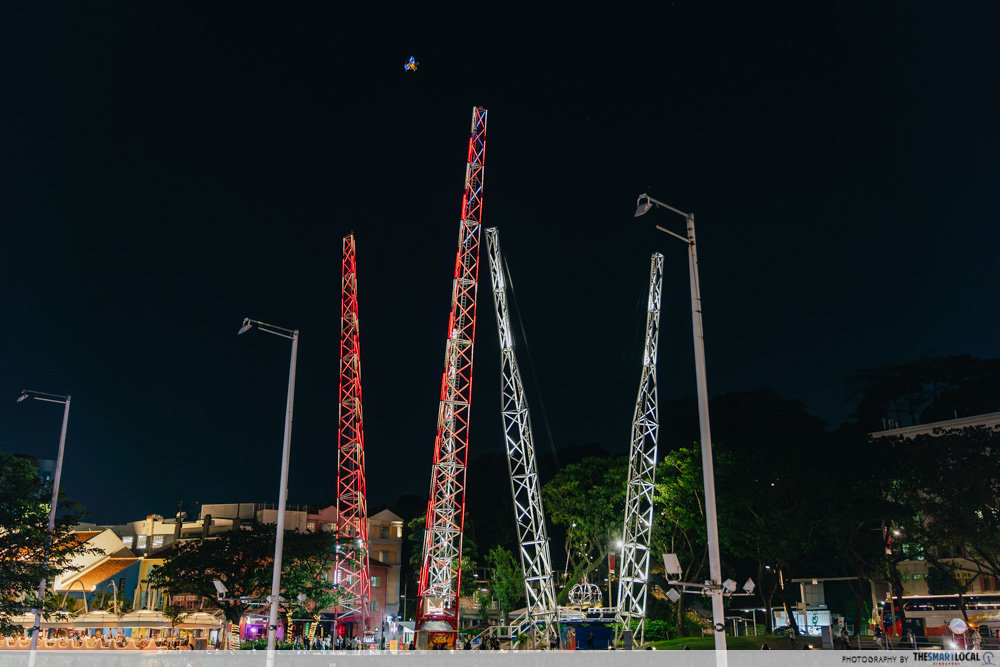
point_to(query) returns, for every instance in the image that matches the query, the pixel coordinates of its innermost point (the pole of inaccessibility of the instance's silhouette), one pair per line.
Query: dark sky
(168, 169)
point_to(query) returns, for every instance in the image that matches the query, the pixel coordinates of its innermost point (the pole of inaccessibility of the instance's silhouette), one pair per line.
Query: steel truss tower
(352, 506)
(633, 583)
(441, 571)
(532, 535)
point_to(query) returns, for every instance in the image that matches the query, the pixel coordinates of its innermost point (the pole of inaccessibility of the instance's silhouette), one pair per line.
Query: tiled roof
(101, 572)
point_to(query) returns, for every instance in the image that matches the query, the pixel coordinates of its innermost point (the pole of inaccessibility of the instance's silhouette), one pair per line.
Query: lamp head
(672, 565)
(24, 395)
(246, 326)
(673, 595)
(642, 207)
(749, 587)
(729, 586)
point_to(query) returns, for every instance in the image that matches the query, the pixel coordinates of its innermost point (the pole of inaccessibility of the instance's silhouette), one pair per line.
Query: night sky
(167, 170)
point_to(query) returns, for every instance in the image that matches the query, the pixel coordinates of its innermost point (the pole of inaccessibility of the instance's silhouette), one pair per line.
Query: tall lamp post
(279, 539)
(643, 204)
(48, 398)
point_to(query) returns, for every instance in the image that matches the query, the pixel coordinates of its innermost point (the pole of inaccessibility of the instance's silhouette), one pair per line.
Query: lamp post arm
(667, 231)
(662, 205)
(276, 330)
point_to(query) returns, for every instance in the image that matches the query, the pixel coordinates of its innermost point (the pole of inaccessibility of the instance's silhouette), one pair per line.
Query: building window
(916, 577)
(374, 605)
(384, 557)
(142, 542)
(157, 541)
(383, 532)
(127, 541)
(989, 582)
(311, 526)
(374, 584)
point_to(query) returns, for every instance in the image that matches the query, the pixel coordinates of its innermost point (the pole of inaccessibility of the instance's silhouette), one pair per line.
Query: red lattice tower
(441, 572)
(352, 509)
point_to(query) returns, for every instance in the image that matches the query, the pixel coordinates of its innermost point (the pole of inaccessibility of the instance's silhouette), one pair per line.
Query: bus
(929, 615)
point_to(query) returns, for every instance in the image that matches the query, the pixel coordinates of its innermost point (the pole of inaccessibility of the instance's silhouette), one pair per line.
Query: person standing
(845, 640)
(910, 638)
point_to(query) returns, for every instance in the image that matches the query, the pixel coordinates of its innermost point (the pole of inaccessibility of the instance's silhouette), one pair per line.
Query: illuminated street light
(643, 204)
(279, 539)
(48, 398)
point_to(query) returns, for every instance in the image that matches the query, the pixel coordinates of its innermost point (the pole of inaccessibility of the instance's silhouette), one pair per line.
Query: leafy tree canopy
(243, 561)
(27, 552)
(506, 578)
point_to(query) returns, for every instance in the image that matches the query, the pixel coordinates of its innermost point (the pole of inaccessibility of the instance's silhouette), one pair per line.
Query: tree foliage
(506, 578)
(931, 388)
(588, 498)
(243, 561)
(945, 497)
(27, 552)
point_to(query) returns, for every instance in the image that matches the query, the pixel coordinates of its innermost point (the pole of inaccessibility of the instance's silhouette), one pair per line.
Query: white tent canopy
(144, 618)
(199, 619)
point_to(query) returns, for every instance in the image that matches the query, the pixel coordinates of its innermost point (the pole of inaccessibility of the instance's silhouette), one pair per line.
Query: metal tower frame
(352, 506)
(441, 571)
(633, 582)
(533, 538)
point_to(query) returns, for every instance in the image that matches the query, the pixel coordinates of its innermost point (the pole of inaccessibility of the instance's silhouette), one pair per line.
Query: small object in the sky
(411, 65)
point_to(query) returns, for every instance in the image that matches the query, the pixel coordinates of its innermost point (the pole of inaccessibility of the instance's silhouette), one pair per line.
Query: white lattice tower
(634, 579)
(529, 515)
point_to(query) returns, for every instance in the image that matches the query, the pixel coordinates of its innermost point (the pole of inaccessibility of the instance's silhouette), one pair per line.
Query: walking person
(912, 639)
(845, 640)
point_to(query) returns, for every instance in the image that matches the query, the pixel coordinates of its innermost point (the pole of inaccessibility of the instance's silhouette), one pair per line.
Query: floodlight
(301, 597)
(246, 326)
(749, 587)
(673, 595)
(643, 208)
(729, 586)
(220, 588)
(24, 395)
(672, 565)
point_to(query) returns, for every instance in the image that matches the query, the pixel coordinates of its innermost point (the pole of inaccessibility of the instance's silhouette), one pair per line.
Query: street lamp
(643, 204)
(279, 539)
(48, 398)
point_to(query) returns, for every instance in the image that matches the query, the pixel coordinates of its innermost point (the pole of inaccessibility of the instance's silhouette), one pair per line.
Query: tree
(306, 559)
(931, 388)
(27, 552)
(483, 603)
(507, 580)
(243, 561)
(944, 496)
(588, 498)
